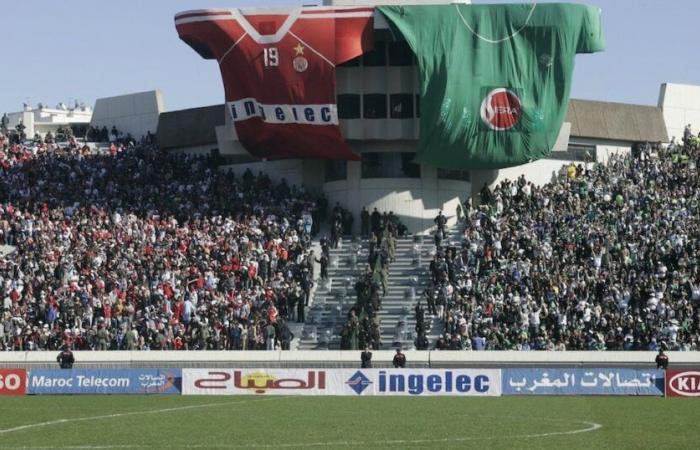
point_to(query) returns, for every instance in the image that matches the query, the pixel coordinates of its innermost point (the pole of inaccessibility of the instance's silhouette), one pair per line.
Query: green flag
(495, 79)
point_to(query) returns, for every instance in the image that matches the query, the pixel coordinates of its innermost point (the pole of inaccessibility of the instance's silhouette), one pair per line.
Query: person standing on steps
(324, 266)
(440, 220)
(376, 221)
(364, 222)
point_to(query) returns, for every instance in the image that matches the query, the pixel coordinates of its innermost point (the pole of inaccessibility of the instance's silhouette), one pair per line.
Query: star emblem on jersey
(300, 63)
(358, 382)
(299, 49)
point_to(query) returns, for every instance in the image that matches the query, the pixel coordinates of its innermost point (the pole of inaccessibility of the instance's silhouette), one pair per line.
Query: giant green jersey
(495, 79)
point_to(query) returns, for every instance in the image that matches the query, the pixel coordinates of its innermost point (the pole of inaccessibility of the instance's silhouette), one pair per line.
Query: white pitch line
(111, 416)
(591, 426)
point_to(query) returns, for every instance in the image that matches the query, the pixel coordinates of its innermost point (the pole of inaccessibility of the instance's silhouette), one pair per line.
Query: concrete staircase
(453, 238)
(333, 299)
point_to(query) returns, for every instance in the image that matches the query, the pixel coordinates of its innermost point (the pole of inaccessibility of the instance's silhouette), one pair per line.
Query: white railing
(223, 359)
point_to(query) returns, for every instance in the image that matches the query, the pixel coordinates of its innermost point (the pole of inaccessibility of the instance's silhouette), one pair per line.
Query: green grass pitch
(141, 422)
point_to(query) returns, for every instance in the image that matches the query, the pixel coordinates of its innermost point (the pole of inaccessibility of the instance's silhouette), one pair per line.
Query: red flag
(278, 69)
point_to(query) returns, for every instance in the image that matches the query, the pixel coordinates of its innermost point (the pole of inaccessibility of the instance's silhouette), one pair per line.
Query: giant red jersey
(278, 68)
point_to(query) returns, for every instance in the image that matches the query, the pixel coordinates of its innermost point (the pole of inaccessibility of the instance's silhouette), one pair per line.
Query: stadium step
(333, 298)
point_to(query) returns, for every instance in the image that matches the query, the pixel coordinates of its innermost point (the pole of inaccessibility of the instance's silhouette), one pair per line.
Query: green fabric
(532, 56)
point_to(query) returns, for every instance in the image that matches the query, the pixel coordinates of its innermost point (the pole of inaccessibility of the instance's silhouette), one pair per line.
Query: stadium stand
(126, 247)
(605, 257)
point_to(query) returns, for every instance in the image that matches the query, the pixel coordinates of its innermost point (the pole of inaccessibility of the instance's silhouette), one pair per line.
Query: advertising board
(416, 382)
(604, 381)
(104, 381)
(13, 381)
(683, 383)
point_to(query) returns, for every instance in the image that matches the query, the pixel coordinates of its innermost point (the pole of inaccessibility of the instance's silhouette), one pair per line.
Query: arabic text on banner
(604, 381)
(105, 381)
(416, 382)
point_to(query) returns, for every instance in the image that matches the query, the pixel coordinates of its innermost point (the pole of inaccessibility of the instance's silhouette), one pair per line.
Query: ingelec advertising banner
(415, 382)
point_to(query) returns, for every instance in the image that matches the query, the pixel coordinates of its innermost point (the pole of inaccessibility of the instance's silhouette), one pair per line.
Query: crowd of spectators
(604, 257)
(137, 249)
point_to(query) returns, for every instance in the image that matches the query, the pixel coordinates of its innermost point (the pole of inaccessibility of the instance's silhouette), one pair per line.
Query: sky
(55, 51)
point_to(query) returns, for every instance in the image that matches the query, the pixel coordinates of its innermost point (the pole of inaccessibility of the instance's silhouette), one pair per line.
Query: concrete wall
(290, 169)
(195, 150)
(26, 118)
(415, 201)
(227, 138)
(132, 113)
(46, 119)
(386, 80)
(605, 148)
(541, 172)
(681, 106)
(327, 359)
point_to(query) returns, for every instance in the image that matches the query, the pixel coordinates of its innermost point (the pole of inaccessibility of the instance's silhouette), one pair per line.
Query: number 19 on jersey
(271, 57)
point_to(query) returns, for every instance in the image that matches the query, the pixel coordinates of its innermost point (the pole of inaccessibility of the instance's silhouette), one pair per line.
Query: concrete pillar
(479, 178)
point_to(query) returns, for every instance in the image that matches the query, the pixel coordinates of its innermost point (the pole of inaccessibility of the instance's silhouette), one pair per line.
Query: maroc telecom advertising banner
(105, 381)
(416, 382)
(583, 382)
(683, 383)
(13, 382)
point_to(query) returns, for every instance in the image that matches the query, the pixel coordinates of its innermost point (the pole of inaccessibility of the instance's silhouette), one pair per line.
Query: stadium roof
(616, 121)
(190, 127)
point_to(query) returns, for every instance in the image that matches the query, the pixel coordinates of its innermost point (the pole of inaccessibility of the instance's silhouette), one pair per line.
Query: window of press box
(375, 57)
(401, 106)
(453, 174)
(374, 106)
(400, 54)
(389, 165)
(336, 170)
(349, 106)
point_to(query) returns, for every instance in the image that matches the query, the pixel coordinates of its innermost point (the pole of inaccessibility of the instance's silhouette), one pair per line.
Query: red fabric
(178, 309)
(286, 62)
(272, 314)
(168, 291)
